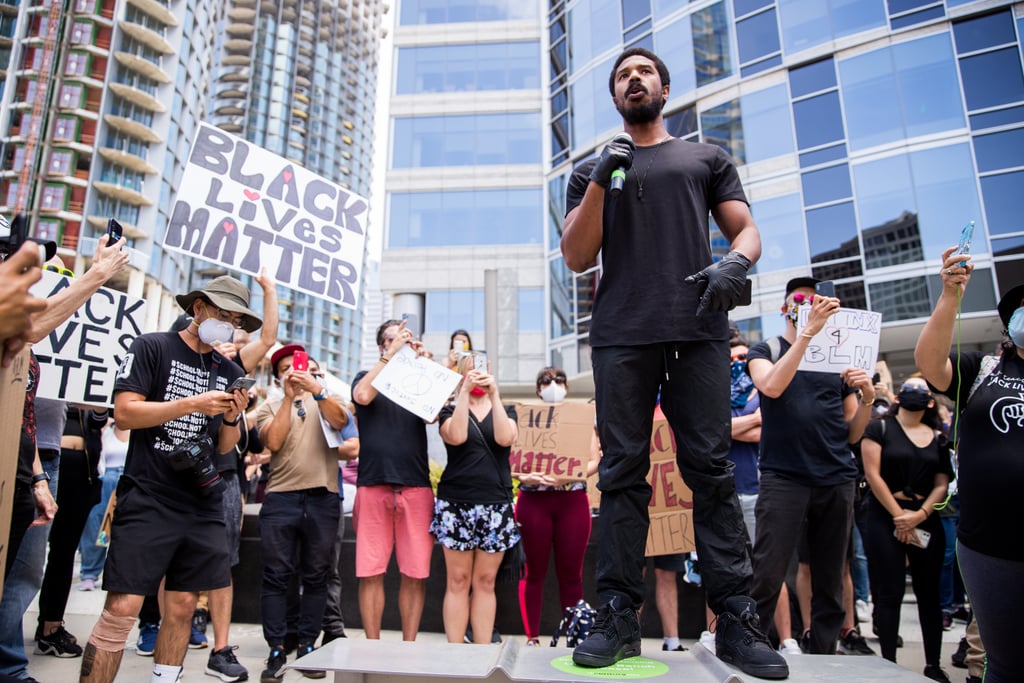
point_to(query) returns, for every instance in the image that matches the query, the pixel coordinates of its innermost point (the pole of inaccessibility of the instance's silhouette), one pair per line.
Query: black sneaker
(60, 643)
(303, 650)
(291, 642)
(224, 665)
(678, 648)
(933, 672)
(740, 642)
(853, 643)
(959, 658)
(615, 635)
(274, 673)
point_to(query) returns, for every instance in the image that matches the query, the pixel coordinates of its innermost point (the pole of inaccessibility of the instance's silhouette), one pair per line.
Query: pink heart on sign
(287, 176)
(228, 226)
(252, 195)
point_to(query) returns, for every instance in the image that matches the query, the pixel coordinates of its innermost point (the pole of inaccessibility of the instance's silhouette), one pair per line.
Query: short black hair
(384, 326)
(643, 52)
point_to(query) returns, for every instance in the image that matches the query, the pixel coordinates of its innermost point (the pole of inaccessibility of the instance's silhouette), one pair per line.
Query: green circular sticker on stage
(630, 669)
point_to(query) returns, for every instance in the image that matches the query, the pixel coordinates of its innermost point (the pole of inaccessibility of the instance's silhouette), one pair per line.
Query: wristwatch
(322, 395)
(42, 476)
(238, 418)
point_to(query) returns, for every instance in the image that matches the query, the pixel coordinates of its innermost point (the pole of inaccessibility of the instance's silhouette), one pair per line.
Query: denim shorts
(462, 526)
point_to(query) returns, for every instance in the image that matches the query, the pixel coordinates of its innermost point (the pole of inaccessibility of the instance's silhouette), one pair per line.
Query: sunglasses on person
(66, 272)
(558, 379)
(302, 409)
(740, 356)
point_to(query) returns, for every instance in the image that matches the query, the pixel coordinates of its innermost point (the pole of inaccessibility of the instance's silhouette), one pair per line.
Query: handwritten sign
(419, 385)
(554, 439)
(13, 385)
(243, 207)
(850, 338)
(79, 360)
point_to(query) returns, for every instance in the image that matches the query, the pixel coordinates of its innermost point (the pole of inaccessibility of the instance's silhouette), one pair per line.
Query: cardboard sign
(79, 359)
(671, 504)
(554, 439)
(243, 207)
(850, 338)
(419, 385)
(13, 385)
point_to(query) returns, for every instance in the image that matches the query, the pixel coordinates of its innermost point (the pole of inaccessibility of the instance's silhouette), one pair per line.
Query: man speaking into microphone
(660, 322)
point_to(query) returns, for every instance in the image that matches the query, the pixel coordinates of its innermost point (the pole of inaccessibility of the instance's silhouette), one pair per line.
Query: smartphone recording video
(114, 231)
(300, 361)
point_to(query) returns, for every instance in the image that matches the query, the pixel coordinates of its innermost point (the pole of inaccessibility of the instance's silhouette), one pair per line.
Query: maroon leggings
(559, 519)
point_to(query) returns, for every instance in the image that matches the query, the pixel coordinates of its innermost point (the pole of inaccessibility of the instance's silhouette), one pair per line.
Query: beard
(641, 113)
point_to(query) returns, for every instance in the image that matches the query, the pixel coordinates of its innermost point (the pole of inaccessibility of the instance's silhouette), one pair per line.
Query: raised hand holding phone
(964, 246)
(114, 231)
(300, 361)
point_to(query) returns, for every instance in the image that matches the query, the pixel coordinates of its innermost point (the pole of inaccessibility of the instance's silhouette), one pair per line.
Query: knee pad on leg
(111, 632)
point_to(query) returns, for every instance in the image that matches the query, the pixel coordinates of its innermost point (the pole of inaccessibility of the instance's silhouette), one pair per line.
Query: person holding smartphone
(907, 465)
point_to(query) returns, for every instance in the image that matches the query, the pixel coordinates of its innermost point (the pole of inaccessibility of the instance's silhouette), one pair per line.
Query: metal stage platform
(375, 661)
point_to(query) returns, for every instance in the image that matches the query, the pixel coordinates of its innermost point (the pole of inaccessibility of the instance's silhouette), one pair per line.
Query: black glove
(722, 283)
(616, 154)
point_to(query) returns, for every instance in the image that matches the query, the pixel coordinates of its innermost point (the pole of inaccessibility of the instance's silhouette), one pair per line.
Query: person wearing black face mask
(907, 465)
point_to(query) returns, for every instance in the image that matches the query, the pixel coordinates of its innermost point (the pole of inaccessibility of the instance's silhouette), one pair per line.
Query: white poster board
(78, 361)
(850, 338)
(243, 207)
(419, 385)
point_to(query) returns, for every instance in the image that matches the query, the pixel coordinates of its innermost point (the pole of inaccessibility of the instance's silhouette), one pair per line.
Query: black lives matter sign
(243, 207)
(79, 360)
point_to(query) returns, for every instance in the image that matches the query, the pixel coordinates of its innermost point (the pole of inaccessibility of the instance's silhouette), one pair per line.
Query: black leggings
(887, 562)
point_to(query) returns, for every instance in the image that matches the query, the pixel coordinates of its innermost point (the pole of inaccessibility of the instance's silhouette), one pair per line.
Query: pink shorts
(388, 517)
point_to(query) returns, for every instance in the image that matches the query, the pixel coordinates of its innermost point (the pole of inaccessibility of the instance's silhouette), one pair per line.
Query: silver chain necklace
(640, 181)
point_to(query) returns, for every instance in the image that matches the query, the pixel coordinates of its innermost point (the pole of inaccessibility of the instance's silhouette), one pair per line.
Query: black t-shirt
(162, 367)
(477, 473)
(804, 434)
(27, 440)
(990, 477)
(903, 463)
(651, 246)
(392, 444)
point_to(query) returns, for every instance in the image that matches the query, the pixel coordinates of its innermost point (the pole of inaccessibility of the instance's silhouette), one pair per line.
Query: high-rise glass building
(298, 78)
(867, 133)
(100, 103)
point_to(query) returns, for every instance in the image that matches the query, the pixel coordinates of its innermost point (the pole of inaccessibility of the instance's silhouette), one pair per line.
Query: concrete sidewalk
(84, 607)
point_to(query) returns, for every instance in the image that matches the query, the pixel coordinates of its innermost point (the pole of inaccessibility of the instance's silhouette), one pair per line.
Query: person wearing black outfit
(907, 465)
(654, 237)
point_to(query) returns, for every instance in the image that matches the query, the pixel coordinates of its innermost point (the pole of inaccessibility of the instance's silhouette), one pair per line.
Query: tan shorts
(387, 518)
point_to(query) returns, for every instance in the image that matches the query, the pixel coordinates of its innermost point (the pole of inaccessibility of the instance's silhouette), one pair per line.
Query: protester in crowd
(554, 516)
(988, 434)
(474, 520)
(808, 421)
(907, 464)
(659, 243)
(113, 451)
(171, 391)
(299, 516)
(394, 501)
(18, 272)
(78, 491)
(458, 344)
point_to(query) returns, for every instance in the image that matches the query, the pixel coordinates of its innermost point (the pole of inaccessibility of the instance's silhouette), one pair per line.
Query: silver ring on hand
(949, 271)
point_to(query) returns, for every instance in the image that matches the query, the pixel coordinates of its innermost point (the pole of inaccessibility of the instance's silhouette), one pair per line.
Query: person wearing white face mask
(553, 515)
(171, 391)
(988, 434)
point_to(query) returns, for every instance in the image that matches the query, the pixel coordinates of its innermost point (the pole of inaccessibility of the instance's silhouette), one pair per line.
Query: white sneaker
(707, 639)
(863, 611)
(790, 647)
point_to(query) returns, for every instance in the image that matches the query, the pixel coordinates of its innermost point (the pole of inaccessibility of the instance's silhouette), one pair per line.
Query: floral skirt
(461, 526)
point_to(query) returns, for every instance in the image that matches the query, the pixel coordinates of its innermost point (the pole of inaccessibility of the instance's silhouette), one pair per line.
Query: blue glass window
(478, 67)
(723, 126)
(1002, 202)
(992, 78)
(898, 6)
(767, 126)
(593, 26)
(419, 12)
(826, 185)
(818, 120)
(477, 139)
(806, 23)
(757, 36)
(780, 222)
(1001, 117)
(999, 150)
(471, 217)
(917, 17)
(832, 232)
(634, 11)
(741, 7)
(711, 53)
(454, 309)
(1008, 246)
(674, 44)
(531, 309)
(978, 33)
(812, 78)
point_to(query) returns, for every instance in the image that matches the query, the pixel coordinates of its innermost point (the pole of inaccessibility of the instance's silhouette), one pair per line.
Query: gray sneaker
(224, 665)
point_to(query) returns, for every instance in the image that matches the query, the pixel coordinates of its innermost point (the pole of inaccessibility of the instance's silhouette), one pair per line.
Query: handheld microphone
(619, 174)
